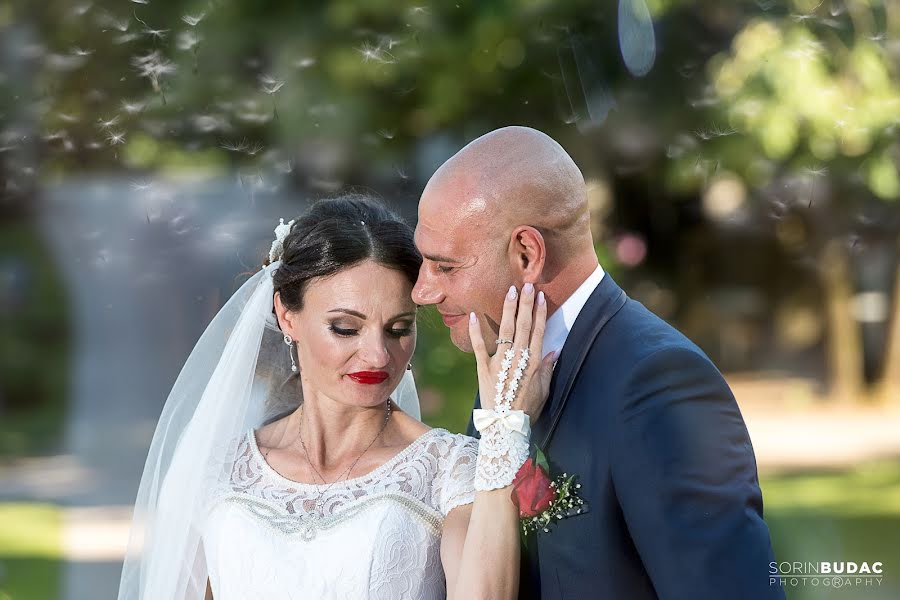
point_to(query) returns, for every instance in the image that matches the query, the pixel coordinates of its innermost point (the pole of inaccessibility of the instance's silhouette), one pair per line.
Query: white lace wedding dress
(378, 536)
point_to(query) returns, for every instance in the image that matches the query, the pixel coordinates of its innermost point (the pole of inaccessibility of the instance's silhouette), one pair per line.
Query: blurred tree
(813, 99)
(780, 116)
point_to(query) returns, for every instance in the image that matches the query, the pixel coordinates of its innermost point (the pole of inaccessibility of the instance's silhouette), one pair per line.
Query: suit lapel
(606, 300)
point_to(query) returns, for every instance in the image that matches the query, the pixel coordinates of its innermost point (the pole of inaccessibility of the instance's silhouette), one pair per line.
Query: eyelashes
(342, 332)
(400, 333)
(393, 332)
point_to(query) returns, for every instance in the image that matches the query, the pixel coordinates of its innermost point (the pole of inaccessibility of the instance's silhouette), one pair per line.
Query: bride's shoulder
(457, 440)
(449, 445)
(454, 456)
(409, 429)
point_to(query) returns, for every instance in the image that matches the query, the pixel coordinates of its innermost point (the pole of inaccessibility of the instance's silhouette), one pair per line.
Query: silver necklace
(319, 498)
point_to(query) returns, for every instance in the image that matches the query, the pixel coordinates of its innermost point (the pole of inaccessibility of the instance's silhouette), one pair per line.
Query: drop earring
(409, 367)
(290, 344)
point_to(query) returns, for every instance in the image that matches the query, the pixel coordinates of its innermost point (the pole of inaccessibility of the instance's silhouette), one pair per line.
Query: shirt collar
(560, 323)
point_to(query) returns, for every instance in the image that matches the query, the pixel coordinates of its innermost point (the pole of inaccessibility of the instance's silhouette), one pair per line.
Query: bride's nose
(373, 350)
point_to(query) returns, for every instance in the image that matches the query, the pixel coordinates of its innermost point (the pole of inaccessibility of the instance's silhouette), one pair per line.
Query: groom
(636, 411)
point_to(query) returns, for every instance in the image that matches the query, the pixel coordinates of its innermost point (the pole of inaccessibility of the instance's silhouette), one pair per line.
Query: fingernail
(529, 288)
(472, 317)
(541, 298)
(512, 293)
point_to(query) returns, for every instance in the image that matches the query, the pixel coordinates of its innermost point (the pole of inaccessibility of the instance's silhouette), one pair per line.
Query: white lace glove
(503, 448)
(510, 406)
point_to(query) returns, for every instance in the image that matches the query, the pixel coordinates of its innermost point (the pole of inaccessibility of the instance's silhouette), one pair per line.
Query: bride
(289, 460)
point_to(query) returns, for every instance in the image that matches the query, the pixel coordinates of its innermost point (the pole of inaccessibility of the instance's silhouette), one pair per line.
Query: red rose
(532, 491)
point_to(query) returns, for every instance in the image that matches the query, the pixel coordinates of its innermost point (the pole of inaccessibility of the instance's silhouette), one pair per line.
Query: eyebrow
(439, 258)
(358, 314)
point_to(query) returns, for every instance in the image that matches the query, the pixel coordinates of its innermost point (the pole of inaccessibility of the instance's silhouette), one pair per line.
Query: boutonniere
(541, 500)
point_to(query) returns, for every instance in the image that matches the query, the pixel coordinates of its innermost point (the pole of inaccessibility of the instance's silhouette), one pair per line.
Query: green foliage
(445, 376)
(757, 89)
(806, 90)
(33, 346)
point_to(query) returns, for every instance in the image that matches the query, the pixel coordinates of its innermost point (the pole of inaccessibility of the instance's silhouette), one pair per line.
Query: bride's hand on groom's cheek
(521, 327)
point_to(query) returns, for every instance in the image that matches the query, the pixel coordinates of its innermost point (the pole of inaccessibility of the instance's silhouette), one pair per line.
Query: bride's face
(355, 334)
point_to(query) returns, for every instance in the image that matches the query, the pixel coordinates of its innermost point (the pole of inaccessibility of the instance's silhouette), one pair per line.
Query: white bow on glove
(514, 420)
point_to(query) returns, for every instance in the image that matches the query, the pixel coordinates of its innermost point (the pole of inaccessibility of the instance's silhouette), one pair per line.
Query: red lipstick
(369, 377)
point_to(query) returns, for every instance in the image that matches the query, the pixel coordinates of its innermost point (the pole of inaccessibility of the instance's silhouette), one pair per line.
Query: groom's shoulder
(638, 355)
(637, 334)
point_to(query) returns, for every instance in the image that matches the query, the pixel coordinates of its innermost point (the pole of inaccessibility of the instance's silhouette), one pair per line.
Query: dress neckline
(254, 446)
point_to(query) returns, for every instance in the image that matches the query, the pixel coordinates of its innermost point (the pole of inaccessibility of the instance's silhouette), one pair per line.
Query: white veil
(237, 376)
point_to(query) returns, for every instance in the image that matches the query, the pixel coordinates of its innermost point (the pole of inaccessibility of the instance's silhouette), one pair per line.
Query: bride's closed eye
(395, 331)
(341, 331)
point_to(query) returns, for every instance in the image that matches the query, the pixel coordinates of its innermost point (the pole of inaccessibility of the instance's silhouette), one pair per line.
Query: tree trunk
(844, 345)
(889, 386)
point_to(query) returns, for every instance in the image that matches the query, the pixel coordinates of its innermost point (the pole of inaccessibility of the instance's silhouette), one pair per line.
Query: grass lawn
(30, 551)
(845, 516)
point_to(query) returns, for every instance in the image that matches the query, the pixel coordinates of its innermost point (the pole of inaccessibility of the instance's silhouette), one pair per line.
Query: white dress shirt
(560, 323)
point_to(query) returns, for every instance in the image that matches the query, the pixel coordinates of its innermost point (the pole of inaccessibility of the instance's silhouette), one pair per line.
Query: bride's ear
(528, 253)
(282, 314)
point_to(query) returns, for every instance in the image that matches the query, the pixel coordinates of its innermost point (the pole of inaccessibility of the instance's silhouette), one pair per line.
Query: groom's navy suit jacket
(651, 429)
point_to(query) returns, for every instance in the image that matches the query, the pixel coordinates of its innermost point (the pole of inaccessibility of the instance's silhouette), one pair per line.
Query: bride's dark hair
(338, 233)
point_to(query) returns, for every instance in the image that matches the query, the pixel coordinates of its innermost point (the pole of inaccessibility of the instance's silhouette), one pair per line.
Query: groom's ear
(528, 253)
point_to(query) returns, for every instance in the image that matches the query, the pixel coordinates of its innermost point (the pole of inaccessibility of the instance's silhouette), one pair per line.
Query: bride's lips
(369, 377)
(451, 320)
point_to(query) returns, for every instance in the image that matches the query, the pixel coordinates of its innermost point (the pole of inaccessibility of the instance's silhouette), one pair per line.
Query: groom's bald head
(512, 176)
(509, 208)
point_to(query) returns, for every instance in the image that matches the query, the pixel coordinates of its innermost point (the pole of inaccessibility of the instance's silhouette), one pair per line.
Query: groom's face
(461, 273)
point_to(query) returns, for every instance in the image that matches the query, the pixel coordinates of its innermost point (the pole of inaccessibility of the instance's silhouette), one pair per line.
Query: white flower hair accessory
(281, 232)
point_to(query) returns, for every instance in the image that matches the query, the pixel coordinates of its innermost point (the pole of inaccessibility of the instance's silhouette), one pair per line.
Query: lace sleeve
(458, 485)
